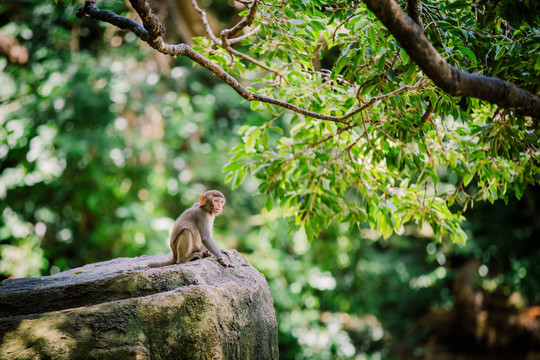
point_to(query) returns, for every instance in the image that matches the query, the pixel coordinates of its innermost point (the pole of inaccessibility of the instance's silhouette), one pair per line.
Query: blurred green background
(103, 143)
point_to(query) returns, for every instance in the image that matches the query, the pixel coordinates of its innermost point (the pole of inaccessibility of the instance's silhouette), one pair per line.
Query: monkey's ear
(202, 199)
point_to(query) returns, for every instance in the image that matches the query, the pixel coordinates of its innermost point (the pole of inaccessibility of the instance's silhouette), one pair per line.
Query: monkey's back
(188, 220)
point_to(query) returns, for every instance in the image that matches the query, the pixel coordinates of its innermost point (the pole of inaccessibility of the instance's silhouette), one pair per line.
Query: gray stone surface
(120, 309)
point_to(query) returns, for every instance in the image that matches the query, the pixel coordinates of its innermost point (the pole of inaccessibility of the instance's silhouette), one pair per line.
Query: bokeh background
(104, 142)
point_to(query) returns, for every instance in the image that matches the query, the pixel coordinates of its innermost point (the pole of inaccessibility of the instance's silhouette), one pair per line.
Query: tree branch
(90, 10)
(155, 41)
(204, 19)
(247, 35)
(246, 21)
(414, 7)
(447, 77)
(150, 21)
(235, 30)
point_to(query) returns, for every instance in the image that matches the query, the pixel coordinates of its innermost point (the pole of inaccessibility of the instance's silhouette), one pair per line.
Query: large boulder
(120, 309)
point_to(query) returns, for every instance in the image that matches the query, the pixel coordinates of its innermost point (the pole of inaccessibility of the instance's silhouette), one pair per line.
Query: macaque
(191, 237)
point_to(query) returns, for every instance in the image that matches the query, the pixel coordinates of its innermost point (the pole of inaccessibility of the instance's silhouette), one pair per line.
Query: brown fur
(191, 237)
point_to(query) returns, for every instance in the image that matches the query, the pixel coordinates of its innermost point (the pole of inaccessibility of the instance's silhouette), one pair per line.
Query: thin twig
(247, 35)
(246, 21)
(353, 13)
(206, 24)
(367, 135)
(156, 41)
(225, 42)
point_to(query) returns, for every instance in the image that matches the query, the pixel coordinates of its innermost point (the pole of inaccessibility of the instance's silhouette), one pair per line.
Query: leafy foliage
(90, 165)
(102, 144)
(414, 153)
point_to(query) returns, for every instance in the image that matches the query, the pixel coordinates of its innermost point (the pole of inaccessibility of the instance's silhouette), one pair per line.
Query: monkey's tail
(164, 263)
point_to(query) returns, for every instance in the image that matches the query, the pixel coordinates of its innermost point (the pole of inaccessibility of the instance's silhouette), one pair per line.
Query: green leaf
(269, 203)
(340, 63)
(277, 129)
(243, 129)
(537, 64)
(500, 52)
(360, 24)
(251, 139)
(239, 178)
(296, 128)
(468, 52)
(467, 178)
(404, 56)
(232, 166)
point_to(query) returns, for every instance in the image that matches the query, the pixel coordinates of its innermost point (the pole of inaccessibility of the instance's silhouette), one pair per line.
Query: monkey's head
(212, 201)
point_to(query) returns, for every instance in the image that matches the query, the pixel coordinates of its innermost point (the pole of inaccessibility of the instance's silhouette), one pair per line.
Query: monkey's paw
(224, 261)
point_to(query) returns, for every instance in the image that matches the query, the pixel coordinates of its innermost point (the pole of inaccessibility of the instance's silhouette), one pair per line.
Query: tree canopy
(104, 140)
(381, 118)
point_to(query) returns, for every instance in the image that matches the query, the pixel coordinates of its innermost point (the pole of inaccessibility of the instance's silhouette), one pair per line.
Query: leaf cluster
(414, 155)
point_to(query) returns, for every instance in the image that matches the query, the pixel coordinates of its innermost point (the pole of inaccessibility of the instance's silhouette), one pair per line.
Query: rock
(120, 309)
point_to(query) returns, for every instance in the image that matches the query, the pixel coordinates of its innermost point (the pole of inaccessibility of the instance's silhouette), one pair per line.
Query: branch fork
(152, 30)
(409, 34)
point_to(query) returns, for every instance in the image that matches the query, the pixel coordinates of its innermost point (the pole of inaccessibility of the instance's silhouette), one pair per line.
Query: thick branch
(90, 10)
(156, 42)
(448, 78)
(414, 8)
(149, 20)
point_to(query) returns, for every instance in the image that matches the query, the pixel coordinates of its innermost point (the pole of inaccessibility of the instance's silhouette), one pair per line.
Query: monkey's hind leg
(202, 253)
(197, 255)
(205, 252)
(188, 247)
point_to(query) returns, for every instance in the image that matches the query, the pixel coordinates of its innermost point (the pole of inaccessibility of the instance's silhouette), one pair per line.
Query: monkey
(191, 237)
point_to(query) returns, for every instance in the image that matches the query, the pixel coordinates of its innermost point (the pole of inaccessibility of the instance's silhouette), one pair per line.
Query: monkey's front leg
(224, 261)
